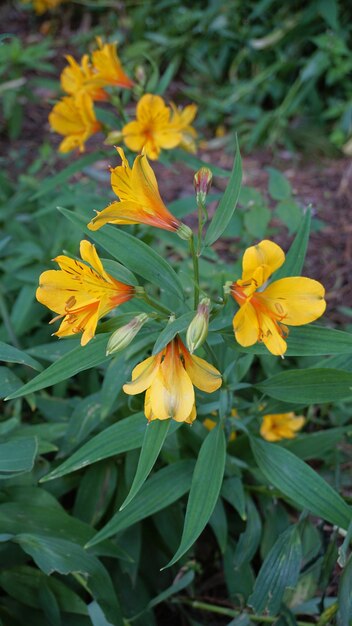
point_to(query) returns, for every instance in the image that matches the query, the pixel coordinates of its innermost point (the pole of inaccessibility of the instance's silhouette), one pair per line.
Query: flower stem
(156, 305)
(195, 271)
(220, 610)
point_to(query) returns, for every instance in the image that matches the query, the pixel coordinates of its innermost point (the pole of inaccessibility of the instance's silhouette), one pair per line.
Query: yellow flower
(281, 426)
(181, 119)
(74, 117)
(265, 314)
(168, 380)
(156, 127)
(41, 6)
(140, 201)
(107, 67)
(75, 78)
(81, 294)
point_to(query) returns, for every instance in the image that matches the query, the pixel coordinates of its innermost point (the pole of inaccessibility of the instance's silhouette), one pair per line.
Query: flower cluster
(157, 126)
(81, 292)
(85, 82)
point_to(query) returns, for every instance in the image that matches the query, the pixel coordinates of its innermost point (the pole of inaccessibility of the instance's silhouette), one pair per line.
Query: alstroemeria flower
(281, 426)
(140, 201)
(77, 77)
(266, 311)
(156, 128)
(107, 67)
(168, 380)
(181, 119)
(74, 117)
(80, 293)
(41, 6)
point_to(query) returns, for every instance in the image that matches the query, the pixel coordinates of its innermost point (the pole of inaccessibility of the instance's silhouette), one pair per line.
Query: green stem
(220, 610)
(156, 305)
(195, 271)
(202, 218)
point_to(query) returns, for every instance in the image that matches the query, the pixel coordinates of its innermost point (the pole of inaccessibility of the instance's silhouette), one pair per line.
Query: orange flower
(281, 426)
(74, 117)
(80, 293)
(168, 379)
(140, 201)
(266, 311)
(107, 67)
(75, 78)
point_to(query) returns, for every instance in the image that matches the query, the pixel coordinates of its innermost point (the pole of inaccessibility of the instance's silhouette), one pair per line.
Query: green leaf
(227, 204)
(233, 492)
(300, 483)
(309, 386)
(127, 434)
(279, 187)
(17, 456)
(27, 581)
(205, 489)
(315, 445)
(171, 330)
(120, 272)
(49, 184)
(154, 438)
(248, 541)
(9, 354)
(58, 555)
(162, 489)
(279, 571)
(297, 253)
(176, 587)
(77, 360)
(344, 614)
(133, 253)
(303, 341)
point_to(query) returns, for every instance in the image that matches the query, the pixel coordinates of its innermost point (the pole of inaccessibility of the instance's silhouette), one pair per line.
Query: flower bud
(202, 182)
(123, 336)
(184, 232)
(113, 138)
(198, 329)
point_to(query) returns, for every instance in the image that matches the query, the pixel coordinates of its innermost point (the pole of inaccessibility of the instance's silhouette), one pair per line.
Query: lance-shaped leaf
(9, 354)
(227, 203)
(279, 571)
(205, 489)
(300, 483)
(309, 386)
(297, 253)
(17, 456)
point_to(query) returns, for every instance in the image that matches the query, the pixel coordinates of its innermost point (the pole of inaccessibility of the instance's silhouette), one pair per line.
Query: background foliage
(251, 532)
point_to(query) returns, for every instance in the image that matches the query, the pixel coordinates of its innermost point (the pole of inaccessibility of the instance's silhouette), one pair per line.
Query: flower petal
(202, 374)
(143, 375)
(299, 300)
(246, 326)
(172, 393)
(260, 261)
(271, 337)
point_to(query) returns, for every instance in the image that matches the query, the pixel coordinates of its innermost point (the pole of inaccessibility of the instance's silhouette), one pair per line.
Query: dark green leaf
(171, 330)
(248, 541)
(205, 489)
(162, 489)
(297, 253)
(227, 204)
(127, 434)
(344, 614)
(300, 483)
(17, 456)
(309, 386)
(279, 187)
(279, 571)
(9, 354)
(51, 183)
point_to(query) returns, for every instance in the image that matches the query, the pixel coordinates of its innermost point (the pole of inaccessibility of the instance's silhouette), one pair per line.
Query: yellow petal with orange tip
(299, 300)
(260, 261)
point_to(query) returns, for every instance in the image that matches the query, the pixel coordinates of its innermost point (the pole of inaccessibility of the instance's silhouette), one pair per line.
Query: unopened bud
(184, 232)
(202, 182)
(123, 336)
(198, 329)
(140, 74)
(113, 138)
